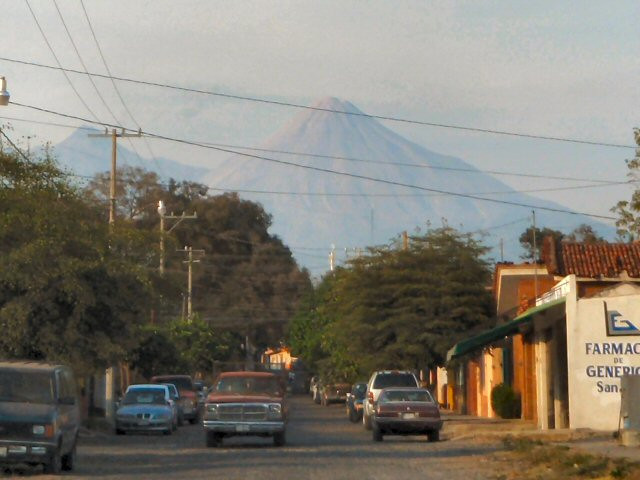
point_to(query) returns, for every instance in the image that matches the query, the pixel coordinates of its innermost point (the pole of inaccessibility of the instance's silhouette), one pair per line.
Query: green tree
(584, 234)
(527, 237)
(628, 222)
(404, 309)
(70, 290)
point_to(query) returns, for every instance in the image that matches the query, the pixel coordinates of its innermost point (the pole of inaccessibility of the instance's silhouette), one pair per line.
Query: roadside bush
(505, 401)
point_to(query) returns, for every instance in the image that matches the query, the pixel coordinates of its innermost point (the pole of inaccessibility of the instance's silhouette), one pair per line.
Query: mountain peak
(333, 103)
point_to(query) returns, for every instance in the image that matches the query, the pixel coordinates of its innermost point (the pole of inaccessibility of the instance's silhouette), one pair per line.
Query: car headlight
(275, 410)
(47, 430)
(211, 411)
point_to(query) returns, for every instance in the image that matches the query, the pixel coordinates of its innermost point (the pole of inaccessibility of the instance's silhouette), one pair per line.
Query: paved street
(321, 444)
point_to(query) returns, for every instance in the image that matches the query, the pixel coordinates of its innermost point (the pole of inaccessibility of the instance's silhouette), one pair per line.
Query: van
(39, 415)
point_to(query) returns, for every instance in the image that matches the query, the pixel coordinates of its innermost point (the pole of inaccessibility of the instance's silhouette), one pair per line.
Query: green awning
(499, 332)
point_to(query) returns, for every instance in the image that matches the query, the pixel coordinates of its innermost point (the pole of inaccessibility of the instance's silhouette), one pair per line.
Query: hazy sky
(562, 69)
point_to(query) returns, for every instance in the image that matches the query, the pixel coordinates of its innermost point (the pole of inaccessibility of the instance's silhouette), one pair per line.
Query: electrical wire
(354, 159)
(329, 110)
(64, 71)
(15, 147)
(337, 172)
(115, 86)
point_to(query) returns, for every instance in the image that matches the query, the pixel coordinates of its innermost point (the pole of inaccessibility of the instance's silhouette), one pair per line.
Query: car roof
(148, 386)
(388, 372)
(247, 374)
(29, 365)
(404, 389)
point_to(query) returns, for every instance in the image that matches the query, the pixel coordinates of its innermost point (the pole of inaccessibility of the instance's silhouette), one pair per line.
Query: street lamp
(4, 94)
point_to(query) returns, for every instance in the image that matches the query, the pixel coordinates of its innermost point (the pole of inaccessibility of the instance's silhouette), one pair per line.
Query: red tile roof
(592, 260)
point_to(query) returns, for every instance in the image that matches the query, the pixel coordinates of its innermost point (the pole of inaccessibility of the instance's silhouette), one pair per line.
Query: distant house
(567, 330)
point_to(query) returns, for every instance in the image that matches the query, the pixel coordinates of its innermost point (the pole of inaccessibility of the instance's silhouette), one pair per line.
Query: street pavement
(321, 444)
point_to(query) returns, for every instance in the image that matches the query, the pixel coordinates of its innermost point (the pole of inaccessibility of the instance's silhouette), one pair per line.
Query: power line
(329, 110)
(336, 172)
(15, 147)
(115, 87)
(64, 71)
(354, 159)
(95, 87)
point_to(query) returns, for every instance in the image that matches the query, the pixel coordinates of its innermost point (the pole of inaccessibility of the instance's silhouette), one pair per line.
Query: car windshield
(30, 387)
(385, 380)
(248, 385)
(406, 396)
(181, 383)
(144, 396)
(173, 391)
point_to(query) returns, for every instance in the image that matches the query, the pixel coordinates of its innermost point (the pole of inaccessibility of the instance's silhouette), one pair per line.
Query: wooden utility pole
(114, 149)
(190, 261)
(405, 241)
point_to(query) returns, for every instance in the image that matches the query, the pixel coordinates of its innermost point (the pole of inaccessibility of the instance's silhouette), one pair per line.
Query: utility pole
(162, 210)
(190, 261)
(109, 373)
(332, 258)
(114, 148)
(502, 250)
(535, 259)
(405, 241)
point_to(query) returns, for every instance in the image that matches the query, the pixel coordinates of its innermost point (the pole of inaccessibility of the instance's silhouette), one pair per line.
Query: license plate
(407, 416)
(143, 423)
(3, 451)
(242, 428)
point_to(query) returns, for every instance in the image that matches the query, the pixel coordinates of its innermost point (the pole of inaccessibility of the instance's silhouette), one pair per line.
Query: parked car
(406, 411)
(355, 401)
(177, 405)
(384, 379)
(39, 415)
(245, 403)
(146, 408)
(188, 394)
(334, 392)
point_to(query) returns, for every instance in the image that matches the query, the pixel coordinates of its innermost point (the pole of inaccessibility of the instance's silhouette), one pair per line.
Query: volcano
(313, 210)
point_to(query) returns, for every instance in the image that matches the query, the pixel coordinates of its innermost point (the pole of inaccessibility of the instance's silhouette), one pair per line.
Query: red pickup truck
(245, 403)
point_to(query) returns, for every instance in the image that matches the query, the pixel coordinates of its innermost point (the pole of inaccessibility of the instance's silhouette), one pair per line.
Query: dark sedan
(406, 411)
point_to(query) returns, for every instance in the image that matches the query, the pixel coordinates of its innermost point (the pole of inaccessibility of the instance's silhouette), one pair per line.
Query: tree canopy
(396, 308)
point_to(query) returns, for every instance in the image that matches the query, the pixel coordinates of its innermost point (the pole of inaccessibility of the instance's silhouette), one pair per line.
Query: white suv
(384, 379)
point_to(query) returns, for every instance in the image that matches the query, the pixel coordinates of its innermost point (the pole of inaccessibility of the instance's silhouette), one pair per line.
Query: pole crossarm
(114, 135)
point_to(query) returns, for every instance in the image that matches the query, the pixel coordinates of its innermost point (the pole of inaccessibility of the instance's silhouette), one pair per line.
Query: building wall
(598, 356)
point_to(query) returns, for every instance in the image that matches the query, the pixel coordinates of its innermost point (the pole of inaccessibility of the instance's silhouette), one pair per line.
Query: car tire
(69, 460)
(180, 420)
(54, 466)
(279, 439)
(434, 436)
(377, 434)
(213, 439)
(193, 420)
(119, 431)
(366, 421)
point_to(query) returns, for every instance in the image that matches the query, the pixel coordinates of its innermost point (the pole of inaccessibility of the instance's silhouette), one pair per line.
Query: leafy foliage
(628, 222)
(399, 309)
(505, 401)
(69, 289)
